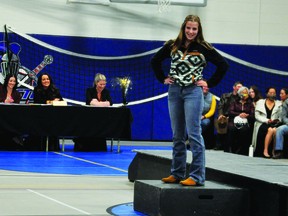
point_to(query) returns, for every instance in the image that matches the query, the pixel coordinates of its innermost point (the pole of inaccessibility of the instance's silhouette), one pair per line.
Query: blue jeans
(280, 133)
(185, 109)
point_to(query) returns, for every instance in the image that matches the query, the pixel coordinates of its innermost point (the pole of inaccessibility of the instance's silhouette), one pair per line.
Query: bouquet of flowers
(125, 83)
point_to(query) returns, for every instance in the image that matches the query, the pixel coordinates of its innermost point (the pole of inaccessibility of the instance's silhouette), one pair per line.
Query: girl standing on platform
(189, 54)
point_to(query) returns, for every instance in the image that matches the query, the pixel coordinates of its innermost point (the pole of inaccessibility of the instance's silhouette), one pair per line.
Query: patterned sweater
(187, 64)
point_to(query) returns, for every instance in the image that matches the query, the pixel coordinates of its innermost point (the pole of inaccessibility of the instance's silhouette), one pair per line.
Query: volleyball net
(73, 72)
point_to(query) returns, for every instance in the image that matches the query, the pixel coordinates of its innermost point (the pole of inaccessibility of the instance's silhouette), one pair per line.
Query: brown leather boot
(170, 179)
(188, 182)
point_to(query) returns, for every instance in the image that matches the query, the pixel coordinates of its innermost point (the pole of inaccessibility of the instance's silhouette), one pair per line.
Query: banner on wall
(11, 64)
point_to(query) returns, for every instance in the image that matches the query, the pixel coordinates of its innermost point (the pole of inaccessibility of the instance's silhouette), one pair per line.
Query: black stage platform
(265, 179)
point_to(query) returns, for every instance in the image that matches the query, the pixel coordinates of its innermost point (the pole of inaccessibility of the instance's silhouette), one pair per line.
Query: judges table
(48, 120)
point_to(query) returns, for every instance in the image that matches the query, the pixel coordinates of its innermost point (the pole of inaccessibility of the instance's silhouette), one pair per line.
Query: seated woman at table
(97, 96)
(8, 91)
(45, 93)
(9, 94)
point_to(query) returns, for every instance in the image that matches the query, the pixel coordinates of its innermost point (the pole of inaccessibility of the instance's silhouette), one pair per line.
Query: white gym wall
(259, 22)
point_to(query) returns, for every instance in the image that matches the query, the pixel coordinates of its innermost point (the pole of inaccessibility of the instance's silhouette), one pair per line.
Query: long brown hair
(257, 93)
(6, 81)
(181, 36)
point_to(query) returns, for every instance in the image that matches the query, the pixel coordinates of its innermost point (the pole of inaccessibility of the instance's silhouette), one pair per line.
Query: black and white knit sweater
(187, 64)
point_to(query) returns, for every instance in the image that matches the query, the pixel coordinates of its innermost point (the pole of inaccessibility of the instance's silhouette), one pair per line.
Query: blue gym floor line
(73, 163)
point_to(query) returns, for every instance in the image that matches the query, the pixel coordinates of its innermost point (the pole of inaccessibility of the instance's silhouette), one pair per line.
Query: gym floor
(69, 183)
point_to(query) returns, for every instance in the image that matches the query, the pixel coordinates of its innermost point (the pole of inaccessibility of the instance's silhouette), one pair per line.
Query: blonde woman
(98, 95)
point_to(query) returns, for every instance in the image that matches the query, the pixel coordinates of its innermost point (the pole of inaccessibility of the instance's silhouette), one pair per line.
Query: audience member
(283, 94)
(254, 94)
(223, 109)
(267, 115)
(97, 96)
(208, 116)
(209, 107)
(9, 94)
(241, 120)
(281, 131)
(45, 93)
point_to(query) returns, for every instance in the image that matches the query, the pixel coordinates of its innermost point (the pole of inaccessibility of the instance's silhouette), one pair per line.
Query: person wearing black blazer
(97, 96)
(10, 95)
(44, 93)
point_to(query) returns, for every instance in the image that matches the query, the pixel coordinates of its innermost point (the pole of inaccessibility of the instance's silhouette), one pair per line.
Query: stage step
(154, 198)
(148, 167)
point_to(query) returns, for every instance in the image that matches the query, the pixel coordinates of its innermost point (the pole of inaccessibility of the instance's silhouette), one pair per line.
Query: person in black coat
(9, 95)
(241, 121)
(44, 93)
(97, 96)
(8, 91)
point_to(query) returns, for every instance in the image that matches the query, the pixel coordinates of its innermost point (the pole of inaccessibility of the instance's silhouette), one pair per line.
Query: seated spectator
(207, 117)
(9, 94)
(254, 94)
(44, 93)
(282, 130)
(97, 96)
(240, 125)
(267, 116)
(223, 109)
(209, 107)
(283, 94)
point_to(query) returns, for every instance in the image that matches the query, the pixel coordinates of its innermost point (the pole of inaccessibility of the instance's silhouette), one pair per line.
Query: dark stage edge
(265, 179)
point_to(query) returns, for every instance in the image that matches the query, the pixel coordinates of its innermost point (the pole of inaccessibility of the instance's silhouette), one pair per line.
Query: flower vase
(124, 98)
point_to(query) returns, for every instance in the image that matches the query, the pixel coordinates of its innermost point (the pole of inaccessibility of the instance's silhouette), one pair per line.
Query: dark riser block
(152, 197)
